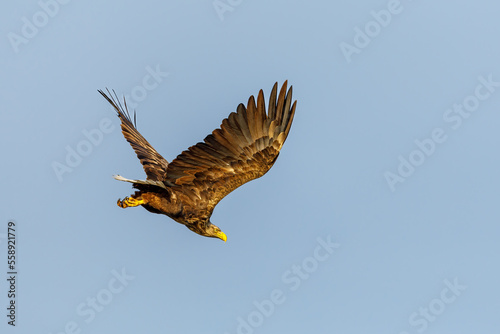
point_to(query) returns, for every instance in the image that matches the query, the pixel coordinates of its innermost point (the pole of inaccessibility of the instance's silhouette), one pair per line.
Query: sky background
(392, 160)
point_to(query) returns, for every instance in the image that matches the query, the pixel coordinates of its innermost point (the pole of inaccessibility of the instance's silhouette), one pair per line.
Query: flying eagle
(187, 190)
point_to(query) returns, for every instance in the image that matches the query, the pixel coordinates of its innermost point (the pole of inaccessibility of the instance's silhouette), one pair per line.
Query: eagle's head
(206, 229)
(215, 232)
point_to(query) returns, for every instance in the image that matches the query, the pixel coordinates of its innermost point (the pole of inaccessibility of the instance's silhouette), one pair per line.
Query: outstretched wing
(153, 163)
(244, 148)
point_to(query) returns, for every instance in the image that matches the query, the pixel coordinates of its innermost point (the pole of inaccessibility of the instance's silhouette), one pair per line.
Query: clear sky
(380, 215)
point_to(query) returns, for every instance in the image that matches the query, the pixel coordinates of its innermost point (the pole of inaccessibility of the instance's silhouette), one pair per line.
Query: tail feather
(148, 182)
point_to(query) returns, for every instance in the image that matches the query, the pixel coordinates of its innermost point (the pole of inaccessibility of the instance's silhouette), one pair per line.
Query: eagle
(242, 149)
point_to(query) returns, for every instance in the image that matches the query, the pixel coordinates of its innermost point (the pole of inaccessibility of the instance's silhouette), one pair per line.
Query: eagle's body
(187, 190)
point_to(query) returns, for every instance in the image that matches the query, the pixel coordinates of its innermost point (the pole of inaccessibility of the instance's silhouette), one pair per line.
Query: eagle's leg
(130, 202)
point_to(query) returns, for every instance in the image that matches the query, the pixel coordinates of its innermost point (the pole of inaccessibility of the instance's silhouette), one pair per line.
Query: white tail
(150, 182)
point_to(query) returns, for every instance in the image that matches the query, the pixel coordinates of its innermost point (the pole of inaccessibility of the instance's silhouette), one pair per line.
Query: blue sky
(380, 215)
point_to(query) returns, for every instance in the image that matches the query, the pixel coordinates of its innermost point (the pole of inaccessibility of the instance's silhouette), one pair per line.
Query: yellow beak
(221, 235)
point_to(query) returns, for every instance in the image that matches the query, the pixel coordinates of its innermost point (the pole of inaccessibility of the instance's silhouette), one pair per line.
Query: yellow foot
(129, 202)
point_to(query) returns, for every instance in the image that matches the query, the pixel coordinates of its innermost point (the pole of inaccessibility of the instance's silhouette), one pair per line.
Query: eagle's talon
(120, 203)
(129, 202)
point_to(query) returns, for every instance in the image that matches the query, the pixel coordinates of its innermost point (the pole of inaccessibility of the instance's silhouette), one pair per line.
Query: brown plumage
(187, 190)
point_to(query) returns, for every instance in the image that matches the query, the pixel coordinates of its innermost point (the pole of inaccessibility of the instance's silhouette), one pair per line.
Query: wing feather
(252, 119)
(281, 100)
(260, 115)
(153, 163)
(242, 124)
(272, 102)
